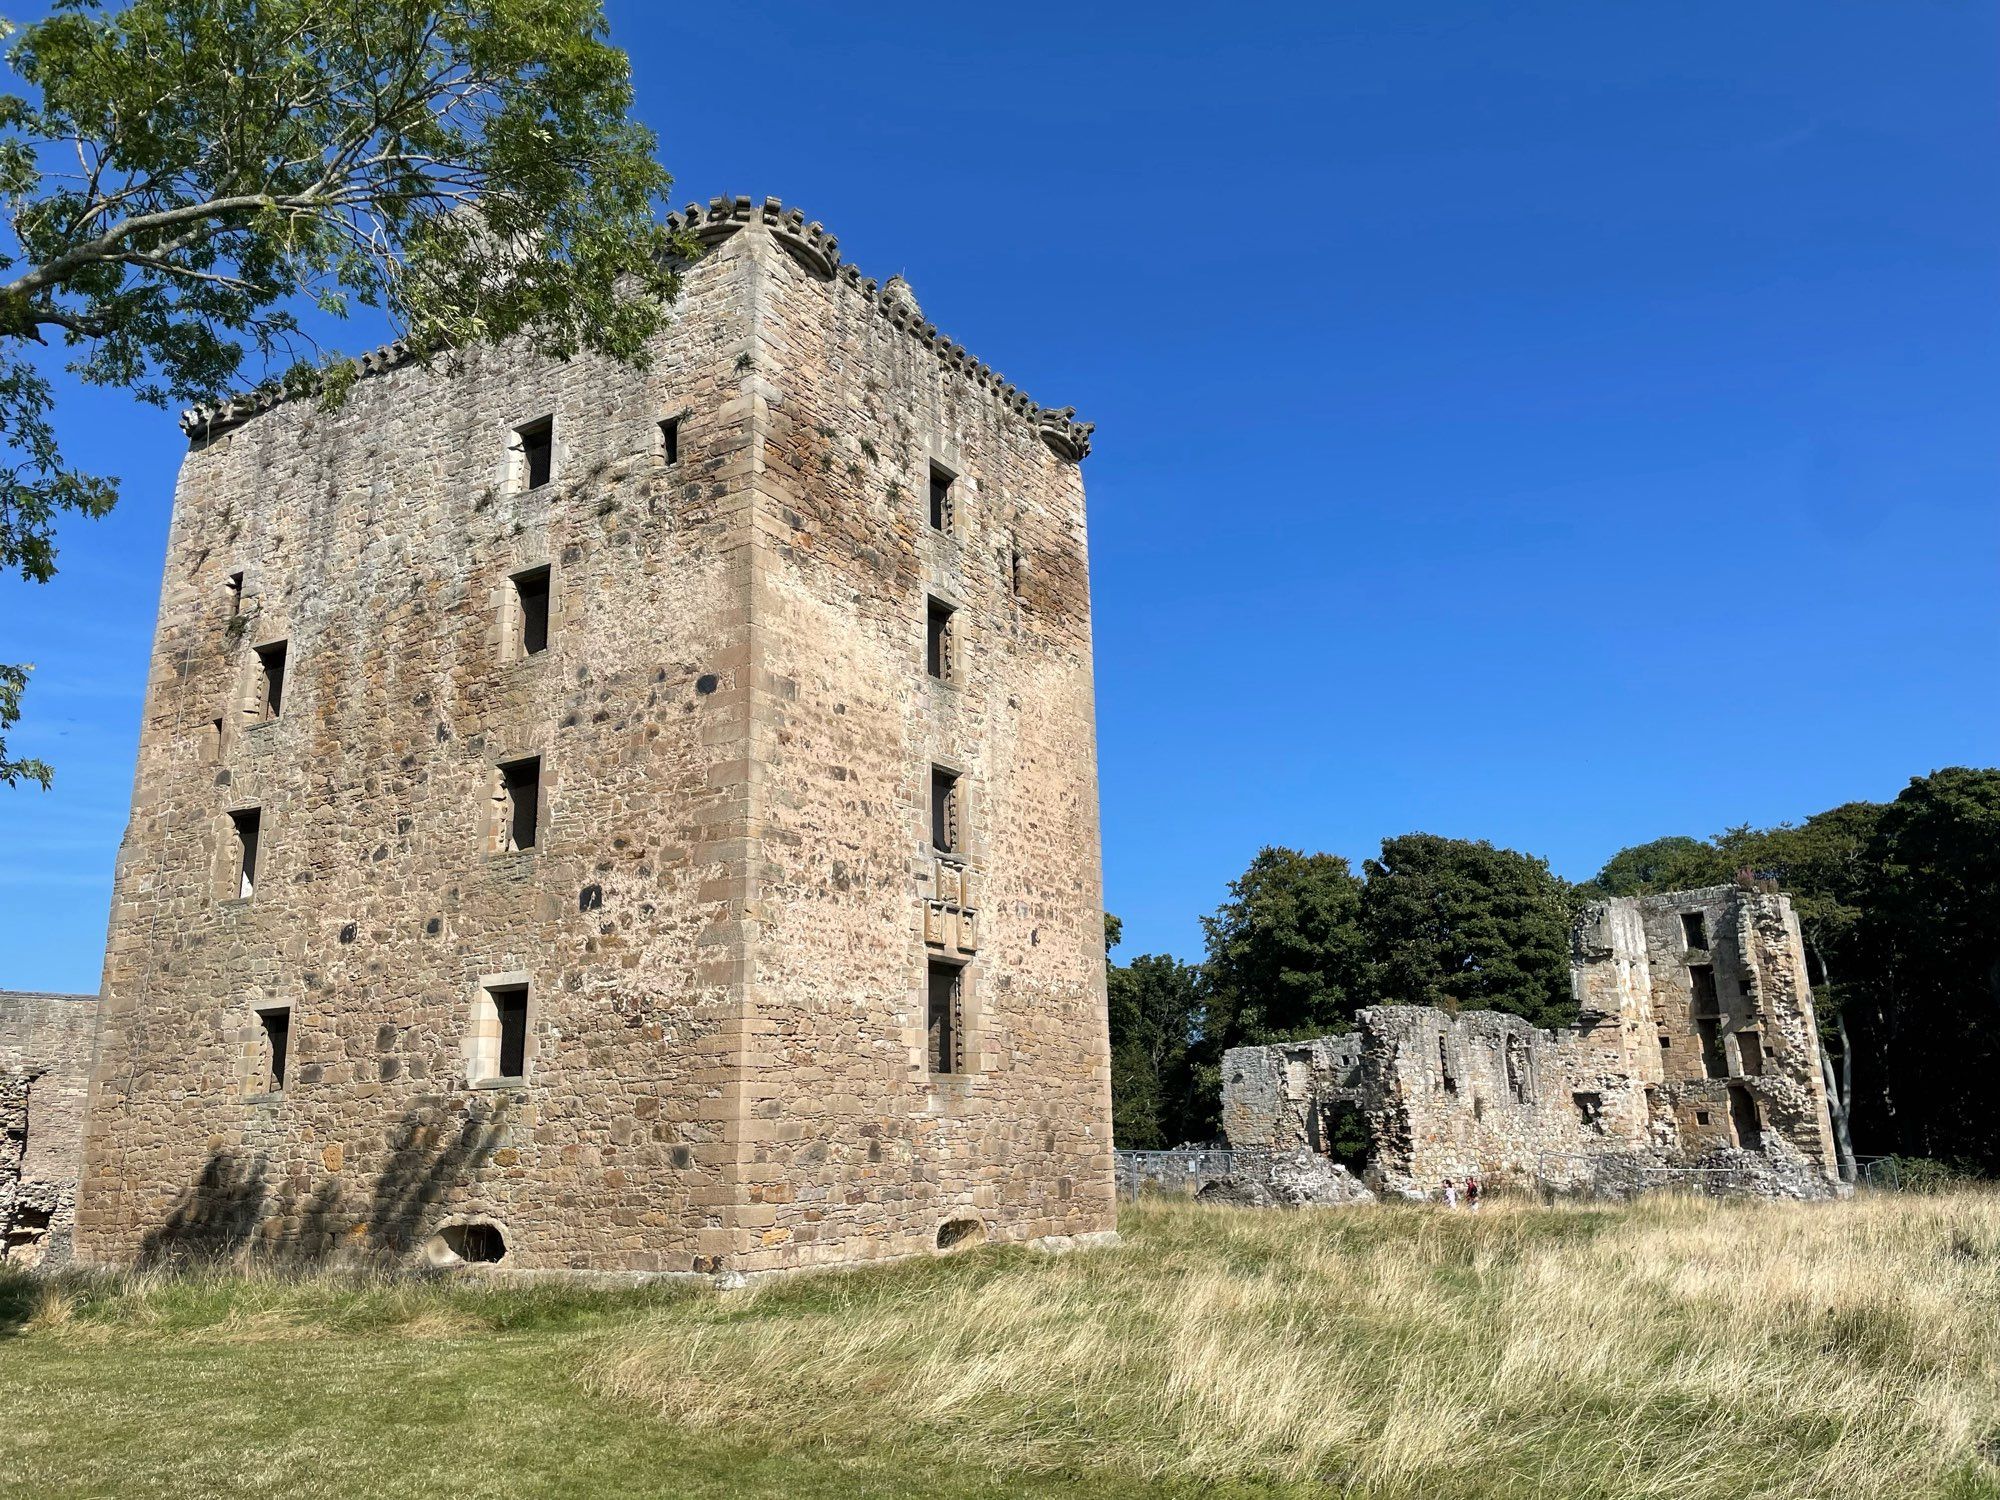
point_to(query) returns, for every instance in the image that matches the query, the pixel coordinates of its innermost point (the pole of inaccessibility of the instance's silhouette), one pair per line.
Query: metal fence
(1188, 1170)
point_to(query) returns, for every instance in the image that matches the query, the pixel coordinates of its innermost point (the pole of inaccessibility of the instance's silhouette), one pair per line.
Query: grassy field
(1674, 1349)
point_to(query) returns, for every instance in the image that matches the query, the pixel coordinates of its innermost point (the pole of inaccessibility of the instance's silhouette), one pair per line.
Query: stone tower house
(637, 821)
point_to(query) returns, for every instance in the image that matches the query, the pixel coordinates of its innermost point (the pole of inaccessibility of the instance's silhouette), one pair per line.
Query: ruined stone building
(618, 820)
(1695, 1061)
(44, 1075)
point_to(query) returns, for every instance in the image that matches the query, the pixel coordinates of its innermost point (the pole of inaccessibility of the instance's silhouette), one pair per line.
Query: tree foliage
(1675, 863)
(1156, 1018)
(179, 179)
(1466, 926)
(1286, 956)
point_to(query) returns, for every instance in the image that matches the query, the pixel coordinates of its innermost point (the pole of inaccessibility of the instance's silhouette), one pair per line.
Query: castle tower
(636, 821)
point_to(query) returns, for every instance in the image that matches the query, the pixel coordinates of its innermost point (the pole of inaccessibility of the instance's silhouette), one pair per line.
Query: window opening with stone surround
(947, 811)
(233, 595)
(1750, 1048)
(1713, 1064)
(247, 825)
(1589, 1109)
(943, 502)
(534, 446)
(531, 612)
(519, 811)
(944, 1016)
(500, 1033)
(1517, 1070)
(1743, 1115)
(1694, 928)
(670, 440)
(1701, 980)
(939, 656)
(268, 696)
(1445, 1074)
(274, 1044)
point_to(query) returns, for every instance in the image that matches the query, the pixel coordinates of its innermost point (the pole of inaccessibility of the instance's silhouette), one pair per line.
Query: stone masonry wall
(718, 925)
(45, 1047)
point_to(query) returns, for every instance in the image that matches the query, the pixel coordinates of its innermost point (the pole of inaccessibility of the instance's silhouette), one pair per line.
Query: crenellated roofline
(808, 243)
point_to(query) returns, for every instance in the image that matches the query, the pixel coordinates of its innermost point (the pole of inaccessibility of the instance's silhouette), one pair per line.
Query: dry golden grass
(1678, 1348)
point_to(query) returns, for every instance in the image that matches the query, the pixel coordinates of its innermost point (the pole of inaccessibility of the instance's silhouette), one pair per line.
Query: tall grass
(1678, 1348)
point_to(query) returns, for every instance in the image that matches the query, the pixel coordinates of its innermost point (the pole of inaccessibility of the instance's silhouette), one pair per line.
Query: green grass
(1674, 1349)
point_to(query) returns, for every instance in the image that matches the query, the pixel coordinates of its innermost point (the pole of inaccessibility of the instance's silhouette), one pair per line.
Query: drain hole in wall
(956, 1233)
(468, 1244)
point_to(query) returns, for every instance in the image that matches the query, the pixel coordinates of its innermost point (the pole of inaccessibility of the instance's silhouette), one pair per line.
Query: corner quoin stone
(721, 939)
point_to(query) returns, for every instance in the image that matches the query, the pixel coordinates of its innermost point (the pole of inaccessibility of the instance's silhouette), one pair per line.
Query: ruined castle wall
(857, 1148)
(45, 1049)
(1733, 1011)
(377, 540)
(1695, 1060)
(1489, 1095)
(1282, 1097)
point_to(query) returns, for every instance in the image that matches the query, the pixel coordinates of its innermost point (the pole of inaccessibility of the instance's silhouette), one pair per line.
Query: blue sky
(1563, 424)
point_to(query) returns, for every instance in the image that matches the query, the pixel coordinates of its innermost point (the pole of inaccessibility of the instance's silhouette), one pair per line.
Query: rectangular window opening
(276, 1045)
(1743, 1115)
(270, 681)
(670, 440)
(1750, 1047)
(1694, 927)
(248, 825)
(531, 610)
(1712, 1061)
(1702, 978)
(510, 1007)
(1014, 569)
(945, 832)
(938, 641)
(942, 1037)
(535, 442)
(942, 503)
(234, 593)
(520, 804)
(1589, 1110)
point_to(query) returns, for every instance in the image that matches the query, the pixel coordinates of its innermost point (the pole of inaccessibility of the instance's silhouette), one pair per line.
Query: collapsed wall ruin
(45, 1043)
(1694, 1062)
(628, 820)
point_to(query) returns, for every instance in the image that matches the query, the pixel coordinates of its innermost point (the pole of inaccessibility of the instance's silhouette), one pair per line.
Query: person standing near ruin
(1472, 1193)
(1450, 1193)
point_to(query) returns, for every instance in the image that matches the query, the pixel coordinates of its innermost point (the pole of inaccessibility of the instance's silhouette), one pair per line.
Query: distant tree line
(1899, 903)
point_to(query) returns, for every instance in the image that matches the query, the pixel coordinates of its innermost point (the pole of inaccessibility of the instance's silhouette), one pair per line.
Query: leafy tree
(1925, 970)
(1675, 863)
(1464, 925)
(1156, 1018)
(180, 177)
(1285, 952)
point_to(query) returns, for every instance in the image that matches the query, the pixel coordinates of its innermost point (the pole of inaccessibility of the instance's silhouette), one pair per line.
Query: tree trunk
(1843, 1145)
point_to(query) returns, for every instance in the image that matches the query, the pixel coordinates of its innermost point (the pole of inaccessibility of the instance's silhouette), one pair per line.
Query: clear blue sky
(1563, 424)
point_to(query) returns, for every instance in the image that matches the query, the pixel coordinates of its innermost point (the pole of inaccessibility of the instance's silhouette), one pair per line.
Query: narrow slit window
(248, 827)
(535, 445)
(945, 832)
(670, 440)
(520, 804)
(942, 1031)
(942, 502)
(275, 1045)
(270, 701)
(938, 641)
(1014, 569)
(1694, 927)
(531, 612)
(510, 1006)
(233, 595)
